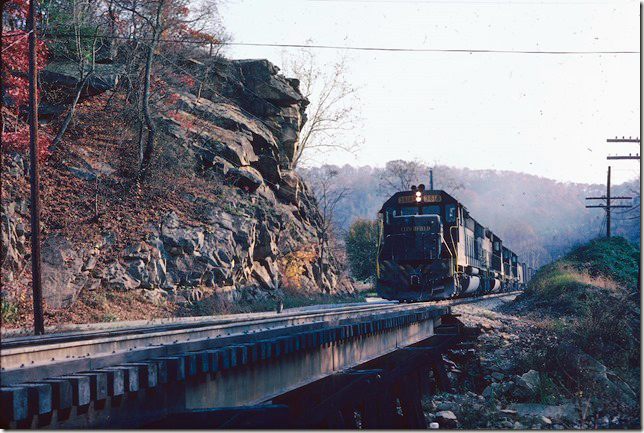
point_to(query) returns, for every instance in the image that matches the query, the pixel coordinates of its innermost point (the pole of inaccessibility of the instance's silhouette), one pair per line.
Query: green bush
(362, 245)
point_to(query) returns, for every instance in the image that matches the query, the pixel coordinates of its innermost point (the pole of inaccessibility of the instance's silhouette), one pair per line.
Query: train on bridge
(431, 248)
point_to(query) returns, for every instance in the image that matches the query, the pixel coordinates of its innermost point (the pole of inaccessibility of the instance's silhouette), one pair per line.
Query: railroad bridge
(357, 365)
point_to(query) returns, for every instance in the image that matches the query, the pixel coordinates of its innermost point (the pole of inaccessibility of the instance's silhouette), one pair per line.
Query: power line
(353, 48)
(472, 2)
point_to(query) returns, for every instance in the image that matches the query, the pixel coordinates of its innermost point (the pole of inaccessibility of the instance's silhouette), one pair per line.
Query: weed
(8, 312)
(547, 392)
(109, 317)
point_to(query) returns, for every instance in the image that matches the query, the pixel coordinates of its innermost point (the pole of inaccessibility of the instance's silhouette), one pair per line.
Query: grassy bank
(588, 302)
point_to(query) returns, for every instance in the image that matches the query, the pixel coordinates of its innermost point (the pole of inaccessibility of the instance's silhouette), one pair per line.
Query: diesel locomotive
(431, 248)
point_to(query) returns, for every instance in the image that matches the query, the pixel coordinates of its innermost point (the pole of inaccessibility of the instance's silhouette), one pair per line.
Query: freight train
(431, 248)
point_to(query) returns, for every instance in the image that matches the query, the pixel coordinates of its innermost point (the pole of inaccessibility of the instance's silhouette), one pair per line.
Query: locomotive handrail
(454, 246)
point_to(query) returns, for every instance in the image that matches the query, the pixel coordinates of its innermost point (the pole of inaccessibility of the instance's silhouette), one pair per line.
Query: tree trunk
(149, 122)
(81, 86)
(70, 115)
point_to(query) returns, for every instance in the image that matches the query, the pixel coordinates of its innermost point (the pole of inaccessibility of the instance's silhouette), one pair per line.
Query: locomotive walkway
(257, 370)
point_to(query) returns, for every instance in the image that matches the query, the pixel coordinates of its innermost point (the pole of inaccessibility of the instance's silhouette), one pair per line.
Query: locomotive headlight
(418, 196)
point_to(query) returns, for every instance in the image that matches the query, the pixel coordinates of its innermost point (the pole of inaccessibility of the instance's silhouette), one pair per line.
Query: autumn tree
(14, 66)
(361, 242)
(157, 26)
(332, 114)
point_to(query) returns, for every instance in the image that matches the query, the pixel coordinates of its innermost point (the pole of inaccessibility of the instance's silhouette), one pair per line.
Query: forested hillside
(539, 218)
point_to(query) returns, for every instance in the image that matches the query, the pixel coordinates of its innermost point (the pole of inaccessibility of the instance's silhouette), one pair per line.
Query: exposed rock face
(245, 141)
(65, 75)
(61, 271)
(13, 242)
(259, 91)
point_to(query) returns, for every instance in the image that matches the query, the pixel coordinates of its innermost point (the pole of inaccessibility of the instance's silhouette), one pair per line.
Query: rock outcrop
(241, 135)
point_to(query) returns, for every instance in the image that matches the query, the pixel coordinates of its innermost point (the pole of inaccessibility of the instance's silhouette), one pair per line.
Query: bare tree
(170, 18)
(399, 175)
(332, 112)
(444, 179)
(329, 193)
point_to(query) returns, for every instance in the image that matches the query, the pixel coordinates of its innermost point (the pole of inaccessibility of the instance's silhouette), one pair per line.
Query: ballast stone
(446, 418)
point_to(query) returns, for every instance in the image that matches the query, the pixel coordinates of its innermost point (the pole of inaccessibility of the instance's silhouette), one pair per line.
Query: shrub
(362, 244)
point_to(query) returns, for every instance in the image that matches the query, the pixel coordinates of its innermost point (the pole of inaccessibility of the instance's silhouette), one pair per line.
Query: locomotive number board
(435, 198)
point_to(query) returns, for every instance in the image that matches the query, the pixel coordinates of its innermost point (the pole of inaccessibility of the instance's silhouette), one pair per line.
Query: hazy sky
(544, 114)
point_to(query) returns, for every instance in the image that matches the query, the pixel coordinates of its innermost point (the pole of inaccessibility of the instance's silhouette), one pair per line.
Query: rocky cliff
(244, 226)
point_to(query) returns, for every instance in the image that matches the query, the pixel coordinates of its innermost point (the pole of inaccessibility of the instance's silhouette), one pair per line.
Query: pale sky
(543, 114)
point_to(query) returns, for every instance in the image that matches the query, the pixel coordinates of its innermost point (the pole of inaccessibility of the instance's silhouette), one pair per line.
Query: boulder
(137, 251)
(524, 389)
(90, 263)
(266, 243)
(220, 165)
(263, 277)
(446, 419)
(61, 267)
(155, 296)
(532, 380)
(184, 239)
(289, 187)
(260, 77)
(491, 391)
(65, 75)
(246, 178)
(83, 173)
(116, 277)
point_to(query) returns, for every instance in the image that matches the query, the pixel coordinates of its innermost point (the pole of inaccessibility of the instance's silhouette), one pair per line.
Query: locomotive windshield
(407, 211)
(413, 237)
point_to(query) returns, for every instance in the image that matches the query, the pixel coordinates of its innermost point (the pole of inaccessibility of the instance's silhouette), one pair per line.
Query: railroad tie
(39, 396)
(61, 393)
(97, 384)
(14, 405)
(115, 382)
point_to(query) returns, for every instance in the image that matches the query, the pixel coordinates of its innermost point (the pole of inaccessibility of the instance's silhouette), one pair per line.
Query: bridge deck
(137, 376)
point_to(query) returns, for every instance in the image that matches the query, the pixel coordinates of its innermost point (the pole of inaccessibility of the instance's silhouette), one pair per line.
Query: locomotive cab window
(431, 210)
(450, 213)
(389, 213)
(407, 211)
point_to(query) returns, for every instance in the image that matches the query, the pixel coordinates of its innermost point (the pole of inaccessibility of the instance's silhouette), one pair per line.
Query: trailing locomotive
(430, 248)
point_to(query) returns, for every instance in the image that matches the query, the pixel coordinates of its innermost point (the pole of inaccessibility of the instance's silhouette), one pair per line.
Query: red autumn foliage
(15, 69)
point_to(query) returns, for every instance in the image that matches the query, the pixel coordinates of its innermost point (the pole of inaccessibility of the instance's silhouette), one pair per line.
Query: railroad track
(30, 351)
(478, 298)
(22, 351)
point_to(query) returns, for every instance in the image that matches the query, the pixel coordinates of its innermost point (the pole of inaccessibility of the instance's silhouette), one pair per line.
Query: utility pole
(34, 175)
(608, 206)
(431, 179)
(624, 140)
